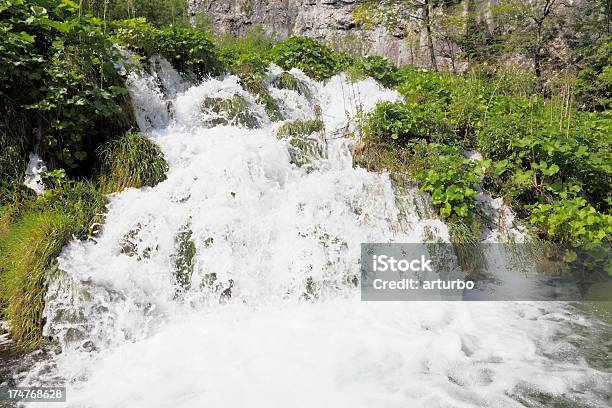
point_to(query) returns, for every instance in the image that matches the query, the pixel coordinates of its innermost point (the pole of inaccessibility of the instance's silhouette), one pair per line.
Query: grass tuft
(132, 161)
(27, 259)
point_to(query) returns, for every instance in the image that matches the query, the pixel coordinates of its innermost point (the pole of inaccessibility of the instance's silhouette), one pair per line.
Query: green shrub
(300, 128)
(572, 221)
(27, 259)
(536, 159)
(451, 179)
(316, 60)
(15, 135)
(396, 122)
(420, 86)
(190, 52)
(463, 102)
(57, 70)
(81, 200)
(594, 85)
(132, 161)
(379, 68)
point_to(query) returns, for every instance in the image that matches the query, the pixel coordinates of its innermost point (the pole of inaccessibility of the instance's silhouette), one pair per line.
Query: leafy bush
(14, 142)
(190, 52)
(572, 220)
(538, 160)
(57, 70)
(27, 257)
(379, 68)
(451, 179)
(463, 102)
(317, 60)
(594, 86)
(132, 161)
(398, 123)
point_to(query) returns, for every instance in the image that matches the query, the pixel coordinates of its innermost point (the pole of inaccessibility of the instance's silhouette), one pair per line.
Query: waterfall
(270, 315)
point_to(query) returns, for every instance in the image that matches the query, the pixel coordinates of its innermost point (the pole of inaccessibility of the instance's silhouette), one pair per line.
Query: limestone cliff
(329, 20)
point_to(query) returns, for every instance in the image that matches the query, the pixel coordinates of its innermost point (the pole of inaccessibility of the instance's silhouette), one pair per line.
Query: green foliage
(81, 200)
(451, 179)
(160, 13)
(316, 60)
(132, 161)
(553, 163)
(398, 123)
(57, 73)
(379, 68)
(27, 258)
(462, 101)
(300, 128)
(14, 142)
(539, 160)
(479, 43)
(572, 220)
(594, 85)
(190, 52)
(548, 159)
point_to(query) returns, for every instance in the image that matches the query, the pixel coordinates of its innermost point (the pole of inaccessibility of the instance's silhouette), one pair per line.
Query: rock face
(328, 20)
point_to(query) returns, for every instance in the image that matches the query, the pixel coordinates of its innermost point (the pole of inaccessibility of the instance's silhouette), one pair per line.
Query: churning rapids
(272, 316)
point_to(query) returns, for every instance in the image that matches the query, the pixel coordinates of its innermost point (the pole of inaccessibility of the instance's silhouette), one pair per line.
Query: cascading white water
(272, 315)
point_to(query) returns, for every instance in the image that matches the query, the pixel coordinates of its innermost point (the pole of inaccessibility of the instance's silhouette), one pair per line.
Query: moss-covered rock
(131, 161)
(258, 89)
(234, 111)
(184, 258)
(300, 128)
(288, 81)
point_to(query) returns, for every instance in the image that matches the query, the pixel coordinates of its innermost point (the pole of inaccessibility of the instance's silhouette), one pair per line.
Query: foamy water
(281, 323)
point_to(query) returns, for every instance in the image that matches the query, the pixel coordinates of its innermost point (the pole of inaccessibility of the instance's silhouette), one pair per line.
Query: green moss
(233, 111)
(300, 128)
(184, 257)
(27, 259)
(132, 161)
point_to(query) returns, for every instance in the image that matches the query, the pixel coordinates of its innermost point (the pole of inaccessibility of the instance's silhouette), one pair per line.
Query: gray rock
(332, 21)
